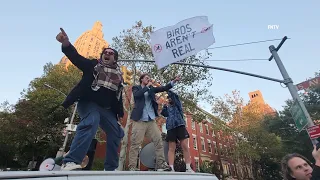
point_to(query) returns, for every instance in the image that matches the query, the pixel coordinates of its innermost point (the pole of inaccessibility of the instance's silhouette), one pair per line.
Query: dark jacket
(316, 173)
(139, 100)
(84, 86)
(174, 112)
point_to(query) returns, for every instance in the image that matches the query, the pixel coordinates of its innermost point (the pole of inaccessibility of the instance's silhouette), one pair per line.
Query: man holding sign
(175, 43)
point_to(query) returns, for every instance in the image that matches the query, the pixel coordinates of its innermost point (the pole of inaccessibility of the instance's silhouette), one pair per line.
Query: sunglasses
(109, 53)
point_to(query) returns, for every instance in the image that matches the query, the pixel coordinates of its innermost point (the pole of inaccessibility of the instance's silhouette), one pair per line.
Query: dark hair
(116, 54)
(286, 171)
(171, 101)
(142, 76)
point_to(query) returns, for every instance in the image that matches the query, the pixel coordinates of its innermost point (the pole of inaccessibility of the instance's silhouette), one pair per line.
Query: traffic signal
(127, 75)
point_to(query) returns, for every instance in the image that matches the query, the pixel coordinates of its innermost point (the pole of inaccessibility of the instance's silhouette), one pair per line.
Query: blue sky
(29, 28)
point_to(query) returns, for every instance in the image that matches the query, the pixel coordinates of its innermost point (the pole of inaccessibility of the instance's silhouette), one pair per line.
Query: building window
(203, 144)
(196, 162)
(207, 129)
(209, 146)
(221, 149)
(200, 126)
(215, 148)
(193, 124)
(194, 138)
(213, 133)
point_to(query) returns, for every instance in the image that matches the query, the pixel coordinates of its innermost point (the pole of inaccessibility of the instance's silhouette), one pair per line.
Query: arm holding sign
(168, 86)
(70, 51)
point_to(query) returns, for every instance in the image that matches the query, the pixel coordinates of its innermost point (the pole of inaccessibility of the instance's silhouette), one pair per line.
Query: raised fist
(149, 84)
(62, 37)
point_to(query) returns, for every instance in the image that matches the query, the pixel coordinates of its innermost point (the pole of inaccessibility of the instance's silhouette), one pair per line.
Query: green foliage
(312, 102)
(179, 163)
(33, 127)
(284, 126)
(7, 149)
(252, 139)
(265, 139)
(211, 167)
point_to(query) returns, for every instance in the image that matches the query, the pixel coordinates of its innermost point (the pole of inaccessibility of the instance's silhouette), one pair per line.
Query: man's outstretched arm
(70, 51)
(168, 86)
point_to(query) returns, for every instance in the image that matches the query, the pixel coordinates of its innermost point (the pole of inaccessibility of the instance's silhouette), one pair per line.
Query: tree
(7, 148)
(37, 119)
(284, 126)
(252, 140)
(312, 102)
(133, 44)
(179, 163)
(128, 103)
(212, 167)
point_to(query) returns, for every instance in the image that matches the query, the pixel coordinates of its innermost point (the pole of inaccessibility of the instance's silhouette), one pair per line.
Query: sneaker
(171, 170)
(189, 171)
(69, 166)
(164, 167)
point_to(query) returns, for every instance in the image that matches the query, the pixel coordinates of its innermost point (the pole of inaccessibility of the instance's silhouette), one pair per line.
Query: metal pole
(211, 67)
(74, 113)
(62, 149)
(67, 135)
(289, 83)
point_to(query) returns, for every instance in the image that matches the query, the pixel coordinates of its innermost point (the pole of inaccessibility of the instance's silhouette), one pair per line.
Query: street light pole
(289, 83)
(62, 149)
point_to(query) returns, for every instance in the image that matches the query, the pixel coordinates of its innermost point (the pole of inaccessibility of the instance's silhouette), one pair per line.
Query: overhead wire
(241, 44)
(236, 60)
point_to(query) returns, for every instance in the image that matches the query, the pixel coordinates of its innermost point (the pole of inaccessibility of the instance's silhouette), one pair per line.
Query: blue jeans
(92, 116)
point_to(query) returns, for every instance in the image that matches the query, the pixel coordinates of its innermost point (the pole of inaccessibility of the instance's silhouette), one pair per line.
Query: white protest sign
(177, 42)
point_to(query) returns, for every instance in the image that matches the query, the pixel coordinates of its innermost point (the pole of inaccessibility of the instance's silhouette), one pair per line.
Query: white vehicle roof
(109, 175)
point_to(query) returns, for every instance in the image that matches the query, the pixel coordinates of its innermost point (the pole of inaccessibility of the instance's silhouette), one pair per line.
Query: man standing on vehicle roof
(99, 96)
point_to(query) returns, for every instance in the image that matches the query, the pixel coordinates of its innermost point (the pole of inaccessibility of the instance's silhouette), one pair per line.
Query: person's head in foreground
(296, 167)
